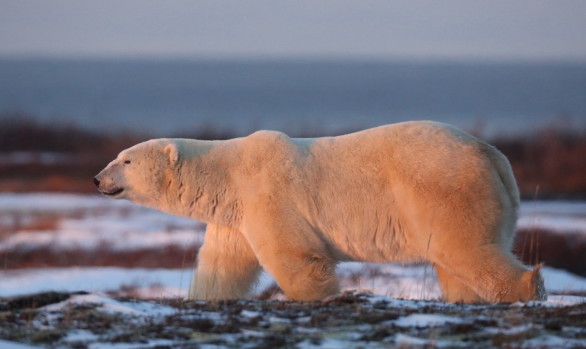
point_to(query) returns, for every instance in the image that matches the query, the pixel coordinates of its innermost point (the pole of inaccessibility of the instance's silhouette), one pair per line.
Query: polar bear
(408, 192)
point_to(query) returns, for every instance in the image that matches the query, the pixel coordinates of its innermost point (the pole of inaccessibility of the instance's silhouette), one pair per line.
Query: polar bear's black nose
(96, 181)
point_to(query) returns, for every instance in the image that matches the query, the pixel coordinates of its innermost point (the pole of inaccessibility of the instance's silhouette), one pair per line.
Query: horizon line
(292, 58)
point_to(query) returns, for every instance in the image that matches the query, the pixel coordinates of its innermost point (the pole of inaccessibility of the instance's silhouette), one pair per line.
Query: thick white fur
(408, 192)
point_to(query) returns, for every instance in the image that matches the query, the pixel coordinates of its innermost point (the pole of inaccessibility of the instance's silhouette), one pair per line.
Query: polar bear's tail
(505, 173)
(510, 198)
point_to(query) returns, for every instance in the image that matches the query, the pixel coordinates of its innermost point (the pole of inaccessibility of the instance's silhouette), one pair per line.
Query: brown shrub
(549, 164)
(166, 257)
(559, 250)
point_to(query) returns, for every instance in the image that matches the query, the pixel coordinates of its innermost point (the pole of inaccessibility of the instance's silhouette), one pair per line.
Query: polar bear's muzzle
(105, 190)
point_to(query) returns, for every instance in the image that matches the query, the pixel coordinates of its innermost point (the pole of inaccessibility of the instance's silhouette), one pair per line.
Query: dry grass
(550, 164)
(563, 251)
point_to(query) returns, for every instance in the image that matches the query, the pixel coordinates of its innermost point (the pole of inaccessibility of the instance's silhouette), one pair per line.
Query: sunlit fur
(408, 192)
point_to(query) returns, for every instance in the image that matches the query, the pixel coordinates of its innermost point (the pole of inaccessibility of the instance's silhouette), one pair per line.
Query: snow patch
(426, 320)
(110, 305)
(403, 340)
(558, 301)
(28, 281)
(4, 344)
(80, 336)
(558, 216)
(550, 341)
(561, 281)
(390, 282)
(92, 222)
(149, 344)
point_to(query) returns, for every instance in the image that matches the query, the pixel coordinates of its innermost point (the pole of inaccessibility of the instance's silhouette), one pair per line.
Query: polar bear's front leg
(227, 267)
(294, 255)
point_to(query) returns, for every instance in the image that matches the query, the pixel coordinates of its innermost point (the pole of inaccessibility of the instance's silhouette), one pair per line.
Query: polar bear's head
(140, 173)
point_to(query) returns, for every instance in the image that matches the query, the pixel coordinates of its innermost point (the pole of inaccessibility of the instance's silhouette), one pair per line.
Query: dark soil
(348, 321)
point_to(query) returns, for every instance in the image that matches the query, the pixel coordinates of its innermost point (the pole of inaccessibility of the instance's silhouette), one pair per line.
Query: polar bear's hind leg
(495, 275)
(454, 290)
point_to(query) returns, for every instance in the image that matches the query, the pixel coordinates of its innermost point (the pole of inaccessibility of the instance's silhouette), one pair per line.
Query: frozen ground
(402, 310)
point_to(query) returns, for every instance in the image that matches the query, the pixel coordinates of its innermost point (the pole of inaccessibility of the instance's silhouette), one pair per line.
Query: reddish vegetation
(84, 152)
(549, 164)
(166, 257)
(564, 251)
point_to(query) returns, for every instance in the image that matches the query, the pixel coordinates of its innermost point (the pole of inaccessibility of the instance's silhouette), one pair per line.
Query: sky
(379, 29)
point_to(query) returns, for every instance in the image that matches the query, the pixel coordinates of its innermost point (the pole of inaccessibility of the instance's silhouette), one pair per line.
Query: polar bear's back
(418, 150)
(408, 178)
(433, 153)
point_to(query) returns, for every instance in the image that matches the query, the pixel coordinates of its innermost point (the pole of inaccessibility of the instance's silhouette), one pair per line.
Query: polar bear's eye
(127, 162)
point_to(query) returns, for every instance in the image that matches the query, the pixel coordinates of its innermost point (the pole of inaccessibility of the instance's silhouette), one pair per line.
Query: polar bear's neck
(199, 187)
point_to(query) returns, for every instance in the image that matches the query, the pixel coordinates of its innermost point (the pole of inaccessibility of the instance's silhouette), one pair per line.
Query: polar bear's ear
(172, 152)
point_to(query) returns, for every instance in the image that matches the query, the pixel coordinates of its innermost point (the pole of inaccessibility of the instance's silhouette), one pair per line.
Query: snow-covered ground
(394, 281)
(558, 216)
(89, 221)
(393, 316)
